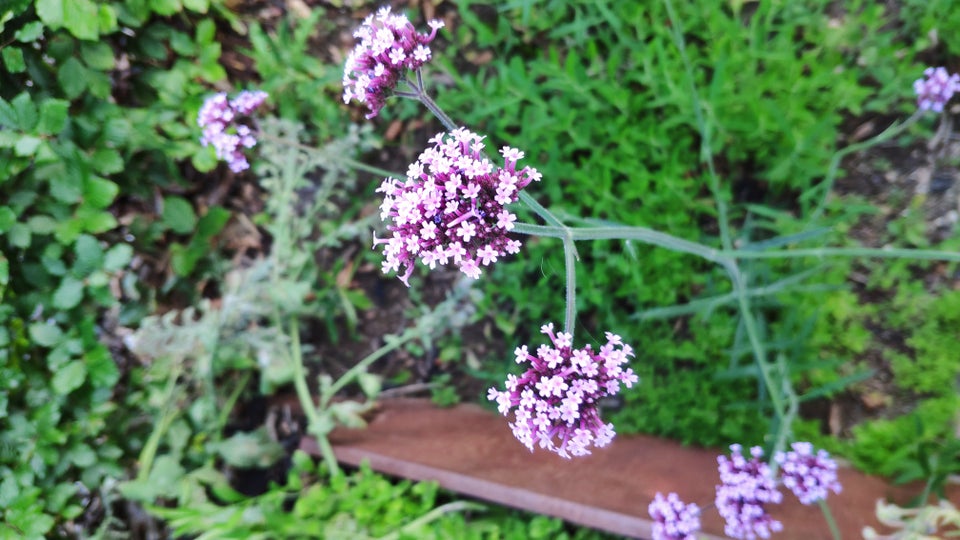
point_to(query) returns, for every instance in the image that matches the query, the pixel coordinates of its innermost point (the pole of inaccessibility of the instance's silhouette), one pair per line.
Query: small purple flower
(556, 398)
(936, 89)
(218, 115)
(451, 209)
(672, 519)
(389, 46)
(809, 476)
(746, 486)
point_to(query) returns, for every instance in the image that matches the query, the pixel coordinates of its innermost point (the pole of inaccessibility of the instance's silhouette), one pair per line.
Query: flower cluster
(935, 89)
(809, 476)
(218, 115)
(451, 208)
(389, 46)
(557, 397)
(672, 519)
(746, 486)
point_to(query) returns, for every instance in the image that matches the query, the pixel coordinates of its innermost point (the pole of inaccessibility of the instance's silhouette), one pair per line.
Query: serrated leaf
(98, 192)
(26, 111)
(117, 257)
(69, 294)
(8, 117)
(97, 55)
(53, 116)
(50, 12)
(107, 161)
(69, 377)
(66, 189)
(72, 77)
(101, 368)
(45, 334)
(26, 145)
(178, 215)
(88, 256)
(81, 17)
(13, 59)
(107, 19)
(96, 221)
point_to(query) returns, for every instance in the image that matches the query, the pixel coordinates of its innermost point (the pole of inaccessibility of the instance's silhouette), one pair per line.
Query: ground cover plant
(693, 176)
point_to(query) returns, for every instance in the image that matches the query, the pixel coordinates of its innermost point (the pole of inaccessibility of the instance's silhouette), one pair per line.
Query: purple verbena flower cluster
(557, 397)
(219, 119)
(452, 207)
(389, 46)
(672, 519)
(746, 487)
(935, 89)
(809, 476)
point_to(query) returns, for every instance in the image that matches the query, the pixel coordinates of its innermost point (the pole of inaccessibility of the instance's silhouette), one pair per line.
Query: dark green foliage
(77, 131)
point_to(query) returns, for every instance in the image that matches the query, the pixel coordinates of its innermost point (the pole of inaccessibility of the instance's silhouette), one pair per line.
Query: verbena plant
(452, 208)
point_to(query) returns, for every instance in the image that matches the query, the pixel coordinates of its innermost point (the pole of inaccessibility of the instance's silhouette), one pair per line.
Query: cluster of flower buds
(747, 487)
(452, 207)
(389, 47)
(935, 89)
(672, 519)
(219, 118)
(556, 399)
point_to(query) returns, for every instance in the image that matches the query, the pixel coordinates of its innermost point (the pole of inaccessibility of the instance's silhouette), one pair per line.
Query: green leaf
(249, 450)
(178, 215)
(82, 18)
(53, 116)
(26, 111)
(69, 294)
(8, 117)
(69, 377)
(165, 7)
(44, 334)
(72, 77)
(99, 193)
(26, 145)
(200, 6)
(66, 189)
(89, 256)
(13, 59)
(117, 257)
(7, 219)
(107, 161)
(19, 235)
(101, 368)
(30, 32)
(50, 12)
(97, 55)
(107, 19)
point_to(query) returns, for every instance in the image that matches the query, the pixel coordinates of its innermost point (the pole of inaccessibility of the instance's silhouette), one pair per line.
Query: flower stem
(826, 186)
(831, 522)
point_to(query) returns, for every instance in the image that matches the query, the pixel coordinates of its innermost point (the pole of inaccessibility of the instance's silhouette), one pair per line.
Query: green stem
(831, 522)
(352, 163)
(570, 264)
(874, 253)
(706, 153)
(315, 422)
(168, 414)
(826, 186)
(362, 365)
(430, 516)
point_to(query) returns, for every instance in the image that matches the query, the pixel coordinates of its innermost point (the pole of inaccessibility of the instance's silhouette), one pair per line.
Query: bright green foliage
(361, 505)
(596, 95)
(77, 131)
